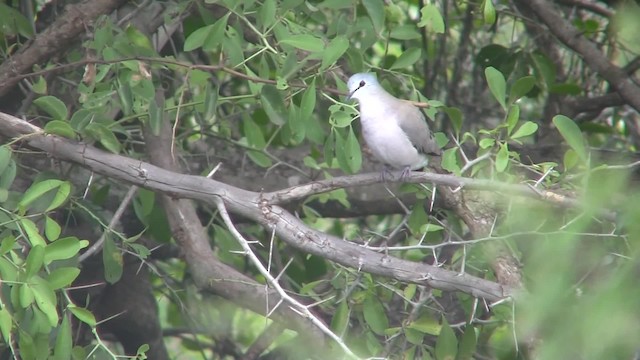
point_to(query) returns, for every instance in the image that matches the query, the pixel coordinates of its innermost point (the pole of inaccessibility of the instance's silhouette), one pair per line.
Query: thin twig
(97, 246)
(295, 305)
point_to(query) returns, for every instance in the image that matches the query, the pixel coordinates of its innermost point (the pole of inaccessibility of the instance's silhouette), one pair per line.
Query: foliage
(259, 86)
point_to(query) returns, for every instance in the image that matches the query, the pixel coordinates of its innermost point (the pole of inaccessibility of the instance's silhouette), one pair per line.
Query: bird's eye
(362, 83)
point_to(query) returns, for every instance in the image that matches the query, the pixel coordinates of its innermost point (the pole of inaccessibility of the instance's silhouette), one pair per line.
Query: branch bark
(62, 32)
(574, 39)
(253, 206)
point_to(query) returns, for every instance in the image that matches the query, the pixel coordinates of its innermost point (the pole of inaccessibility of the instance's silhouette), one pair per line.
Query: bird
(395, 130)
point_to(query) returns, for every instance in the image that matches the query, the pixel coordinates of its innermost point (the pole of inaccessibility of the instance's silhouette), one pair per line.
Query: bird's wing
(413, 123)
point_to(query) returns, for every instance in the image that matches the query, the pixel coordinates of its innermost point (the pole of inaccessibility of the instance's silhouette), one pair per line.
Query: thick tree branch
(66, 29)
(253, 206)
(208, 272)
(574, 39)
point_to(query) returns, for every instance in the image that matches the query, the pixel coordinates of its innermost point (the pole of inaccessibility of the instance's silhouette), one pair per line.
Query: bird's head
(361, 85)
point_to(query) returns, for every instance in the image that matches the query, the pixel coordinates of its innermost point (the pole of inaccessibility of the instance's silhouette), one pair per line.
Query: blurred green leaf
(35, 260)
(525, 129)
(336, 48)
(61, 249)
(64, 341)
(83, 315)
(521, 87)
(375, 315)
(467, 344)
(112, 259)
(51, 229)
(488, 12)
(408, 58)
(375, 9)
(60, 128)
(52, 106)
(497, 85)
(432, 19)
(62, 277)
(273, 104)
(305, 42)
(447, 344)
(572, 135)
(502, 158)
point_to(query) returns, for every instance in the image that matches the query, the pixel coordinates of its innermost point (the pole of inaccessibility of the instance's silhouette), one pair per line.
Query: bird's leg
(385, 171)
(405, 173)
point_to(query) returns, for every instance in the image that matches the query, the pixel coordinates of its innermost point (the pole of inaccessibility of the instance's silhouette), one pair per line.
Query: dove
(395, 130)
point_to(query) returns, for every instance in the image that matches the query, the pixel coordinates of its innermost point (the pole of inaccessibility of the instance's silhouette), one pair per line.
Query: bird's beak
(350, 96)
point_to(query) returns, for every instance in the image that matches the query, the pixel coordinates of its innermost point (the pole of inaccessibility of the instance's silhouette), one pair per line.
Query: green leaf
(81, 118)
(31, 230)
(60, 128)
(51, 229)
(405, 32)
(497, 85)
(8, 175)
(340, 318)
(352, 148)
(447, 344)
(375, 315)
(45, 299)
(64, 341)
(61, 249)
(112, 259)
(106, 137)
(83, 315)
(512, 117)
(544, 68)
(426, 324)
(467, 344)
(565, 89)
(450, 160)
(414, 336)
(521, 87)
(526, 129)
(408, 58)
(259, 158)
(34, 261)
(334, 51)
(375, 9)
(488, 12)
(210, 103)
(39, 189)
(5, 157)
(267, 13)
(208, 37)
(5, 325)
(62, 277)
(432, 19)
(486, 143)
(273, 104)
(25, 296)
(293, 133)
(138, 38)
(572, 135)
(305, 42)
(308, 103)
(502, 158)
(455, 115)
(52, 106)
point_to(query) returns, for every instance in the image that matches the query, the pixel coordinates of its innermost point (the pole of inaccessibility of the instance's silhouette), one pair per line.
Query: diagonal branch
(252, 206)
(53, 40)
(574, 39)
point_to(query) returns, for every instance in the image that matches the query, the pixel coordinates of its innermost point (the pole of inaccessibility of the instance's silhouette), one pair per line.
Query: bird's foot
(386, 172)
(406, 172)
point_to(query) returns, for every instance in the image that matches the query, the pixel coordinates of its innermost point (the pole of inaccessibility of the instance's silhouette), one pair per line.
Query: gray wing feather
(413, 123)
